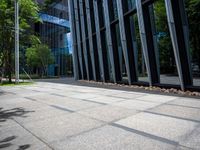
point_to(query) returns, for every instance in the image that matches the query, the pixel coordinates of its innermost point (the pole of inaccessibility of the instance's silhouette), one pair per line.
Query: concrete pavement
(58, 116)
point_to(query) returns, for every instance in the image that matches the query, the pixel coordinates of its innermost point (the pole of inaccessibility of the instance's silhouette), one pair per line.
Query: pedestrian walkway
(58, 116)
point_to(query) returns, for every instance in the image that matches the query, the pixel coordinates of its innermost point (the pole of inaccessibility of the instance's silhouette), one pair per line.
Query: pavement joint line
(12, 93)
(36, 91)
(183, 106)
(58, 95)
(150, 136)
(109, 122)
(37, 137)
(123, 97)
(80, 98)
(191, 132)
(29, 98)
(38, 101)
(62, 108)
(175, 117)
(104, 123)
(56, 89)
(87, 131)
(150, 101)
(159, 105)
(94, 102)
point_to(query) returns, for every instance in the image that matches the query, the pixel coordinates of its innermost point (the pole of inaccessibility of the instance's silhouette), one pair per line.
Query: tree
(166, 56)
(192, 8)
(39, 56)
(28, 14)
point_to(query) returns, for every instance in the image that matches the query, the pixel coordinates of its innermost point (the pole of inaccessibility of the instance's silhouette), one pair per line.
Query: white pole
(16, 41)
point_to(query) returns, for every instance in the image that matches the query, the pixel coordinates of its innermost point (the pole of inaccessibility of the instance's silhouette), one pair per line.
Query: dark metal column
(90, 36)
(127, 47)
(78, 37)
(155, 37)
(178, 31)
(147, 42)
(85, 51)
(115, 67)
(98, 36)
(133, 40)
(73, 34)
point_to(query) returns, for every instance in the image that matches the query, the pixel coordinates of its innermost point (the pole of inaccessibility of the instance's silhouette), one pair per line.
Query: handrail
(27, 74)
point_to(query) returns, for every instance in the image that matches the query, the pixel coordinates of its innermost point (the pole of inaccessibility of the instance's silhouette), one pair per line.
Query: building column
(74, 42)
(99, 42)
(147, 41)
(155, 37)
(85, 48)
(90, 36)
(78, 37)
(113, 54)
(180, 40)
(127, 47)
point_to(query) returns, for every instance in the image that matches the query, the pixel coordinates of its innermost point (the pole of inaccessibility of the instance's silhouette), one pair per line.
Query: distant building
(55, 32)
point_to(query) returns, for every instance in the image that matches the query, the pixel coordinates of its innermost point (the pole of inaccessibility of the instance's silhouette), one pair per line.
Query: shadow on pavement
(11, 113)
(7, 142)
(23, 147)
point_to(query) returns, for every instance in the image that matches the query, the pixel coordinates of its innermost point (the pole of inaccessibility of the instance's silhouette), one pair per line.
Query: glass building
(55, 32)
(129, 41)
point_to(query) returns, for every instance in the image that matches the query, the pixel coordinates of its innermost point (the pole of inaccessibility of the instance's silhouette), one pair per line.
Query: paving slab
(18, 138)
(160, 126)
(67, 102)
(83, 95)
(192, 139)
(62, 116)
(187, 102)
(54, 129)
(111, 138)
(157, 98)
(180, 112)
(108, 92)
(136, 104)
(11, 101)
(41, 114)
(108, 113)
(25, 104)
(106, 99)
(128, 95)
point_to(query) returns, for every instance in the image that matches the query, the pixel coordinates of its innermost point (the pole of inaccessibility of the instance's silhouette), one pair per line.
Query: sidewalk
(71, 117)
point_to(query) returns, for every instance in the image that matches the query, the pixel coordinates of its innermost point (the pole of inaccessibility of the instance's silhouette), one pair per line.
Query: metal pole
(16, 41)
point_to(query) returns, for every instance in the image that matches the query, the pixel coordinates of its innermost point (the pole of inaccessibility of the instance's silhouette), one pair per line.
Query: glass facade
(54, 31)
(133, 42)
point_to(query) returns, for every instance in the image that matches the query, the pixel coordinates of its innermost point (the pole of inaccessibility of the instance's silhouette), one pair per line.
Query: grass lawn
(14, 84)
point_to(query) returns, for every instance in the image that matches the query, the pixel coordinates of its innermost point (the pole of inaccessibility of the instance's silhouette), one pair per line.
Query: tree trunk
(10, 66)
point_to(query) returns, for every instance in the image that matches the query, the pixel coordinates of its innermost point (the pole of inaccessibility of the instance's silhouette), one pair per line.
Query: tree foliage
(167, 62)
(28, 14)
(192, 7)
(39, 56)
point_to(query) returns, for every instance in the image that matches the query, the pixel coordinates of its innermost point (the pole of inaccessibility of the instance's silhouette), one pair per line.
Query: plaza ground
(70, 116)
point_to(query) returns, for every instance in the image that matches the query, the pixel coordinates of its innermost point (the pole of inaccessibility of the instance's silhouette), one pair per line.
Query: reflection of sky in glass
(69, 39)
(60, 22)
(54, 20)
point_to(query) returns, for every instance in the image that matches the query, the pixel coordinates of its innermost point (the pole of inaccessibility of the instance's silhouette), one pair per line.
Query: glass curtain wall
(140, 43)
(54, 31)
(193, 21)
(166, 60)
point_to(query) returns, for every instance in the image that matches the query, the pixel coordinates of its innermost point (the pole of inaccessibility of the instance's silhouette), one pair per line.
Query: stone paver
(59, 116)
(158, 125)
(108, 113)
(111, 138)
